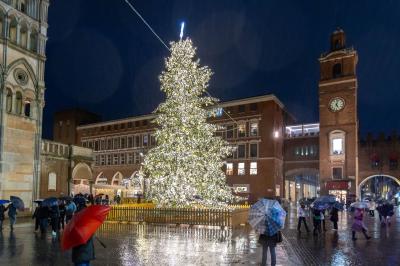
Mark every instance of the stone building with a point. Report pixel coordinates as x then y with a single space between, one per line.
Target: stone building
23 35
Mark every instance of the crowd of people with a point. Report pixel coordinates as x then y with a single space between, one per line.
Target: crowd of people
385 211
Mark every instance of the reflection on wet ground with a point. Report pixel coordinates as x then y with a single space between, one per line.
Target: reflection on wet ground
139 244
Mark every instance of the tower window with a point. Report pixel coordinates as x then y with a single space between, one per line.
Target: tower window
18 103
337 70
27 109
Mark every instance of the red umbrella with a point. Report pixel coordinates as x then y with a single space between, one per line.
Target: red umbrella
83 225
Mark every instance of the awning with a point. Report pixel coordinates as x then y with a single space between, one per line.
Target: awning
337 185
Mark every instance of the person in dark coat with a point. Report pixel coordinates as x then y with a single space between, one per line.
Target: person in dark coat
55 219
35 216
70 208
3 209
334 218
43 217
83 254
62 215
12 215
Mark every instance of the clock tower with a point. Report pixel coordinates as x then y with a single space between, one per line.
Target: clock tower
338 140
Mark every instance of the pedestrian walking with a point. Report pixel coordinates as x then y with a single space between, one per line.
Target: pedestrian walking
35 216
358 224
43 217
302 214
12 215
3 209
69 210
334 218
62 215
317 221
55 219
83 254
91 199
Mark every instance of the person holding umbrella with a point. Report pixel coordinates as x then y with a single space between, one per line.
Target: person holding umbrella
301 214
358 224
79 233
267 217
334 217
12 215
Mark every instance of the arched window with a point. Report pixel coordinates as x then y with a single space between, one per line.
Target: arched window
337 142
33 41
23 36
337 70
52 182
18 103
27 109
13 30
22 6
9 101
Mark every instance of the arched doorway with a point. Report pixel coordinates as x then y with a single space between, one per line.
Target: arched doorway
81 177
301 183
379 186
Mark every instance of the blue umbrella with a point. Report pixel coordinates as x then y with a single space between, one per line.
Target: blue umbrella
319 205
326 199
17 202
267 216
338 205
4 201
49 202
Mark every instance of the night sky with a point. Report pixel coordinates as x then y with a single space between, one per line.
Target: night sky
101 57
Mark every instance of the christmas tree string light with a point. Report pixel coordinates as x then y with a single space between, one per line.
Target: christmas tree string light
185 166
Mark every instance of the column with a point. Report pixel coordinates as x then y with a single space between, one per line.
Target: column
18 33
28 39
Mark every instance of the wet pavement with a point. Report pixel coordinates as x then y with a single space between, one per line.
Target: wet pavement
135 244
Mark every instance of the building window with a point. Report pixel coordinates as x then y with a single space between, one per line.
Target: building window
122 126
52 185
137 123
337 172
253 150
97 159
96 145
109 144
229 169
137 158
109 159
122 158
152 140
241 151
130 142
103 144
254 129
123 142
337 70
241 130
130 158
242 108
116 143
253 107
253 168
337 142
229 131
241 170
137 141
129 124
9 101
18 103
145 140
102 159
116 159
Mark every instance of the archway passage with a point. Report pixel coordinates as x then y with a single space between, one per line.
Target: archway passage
379 186
301 183
81 177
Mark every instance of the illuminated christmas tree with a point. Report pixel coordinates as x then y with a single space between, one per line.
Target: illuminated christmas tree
185 166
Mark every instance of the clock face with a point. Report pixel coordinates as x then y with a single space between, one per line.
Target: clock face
336 104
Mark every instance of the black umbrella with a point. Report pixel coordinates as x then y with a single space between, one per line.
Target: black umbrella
49 202
17 202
